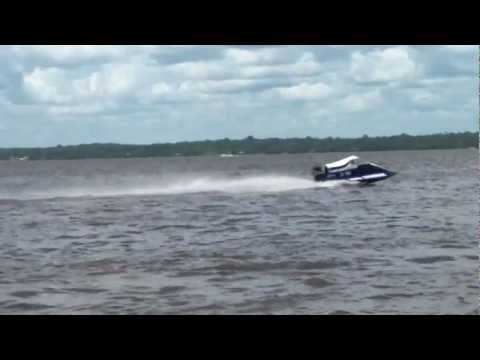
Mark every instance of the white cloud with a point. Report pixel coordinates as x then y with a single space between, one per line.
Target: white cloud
395 63
59 86
304 66
362 102
194 90
200 70
243 56
67 53
47 85
461 48
161 89
78 54
111 80
220 86
233 91
146 81
306 91
423 97
79 110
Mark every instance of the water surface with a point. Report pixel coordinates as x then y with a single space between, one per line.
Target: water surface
245 235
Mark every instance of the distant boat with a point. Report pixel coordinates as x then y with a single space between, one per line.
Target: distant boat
348 169
22 158
228 155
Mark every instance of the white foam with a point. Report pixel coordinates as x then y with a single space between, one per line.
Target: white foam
255 184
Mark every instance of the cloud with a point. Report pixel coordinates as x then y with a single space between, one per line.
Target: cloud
80 110
53 85
243 56
168 93
306 91
48 85
306 65
111 80
362 102
391 64
461 48
68 55
160 89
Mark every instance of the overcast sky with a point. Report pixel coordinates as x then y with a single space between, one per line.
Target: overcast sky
53 95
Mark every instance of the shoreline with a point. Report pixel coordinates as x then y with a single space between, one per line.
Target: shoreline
236 156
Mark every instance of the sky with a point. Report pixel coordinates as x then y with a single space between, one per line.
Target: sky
73 94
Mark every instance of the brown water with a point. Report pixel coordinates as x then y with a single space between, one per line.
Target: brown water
246 235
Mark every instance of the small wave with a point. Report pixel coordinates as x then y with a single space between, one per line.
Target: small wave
28 306
24 294
393 295
317 282
431 259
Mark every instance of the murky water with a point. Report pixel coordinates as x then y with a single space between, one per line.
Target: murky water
246 235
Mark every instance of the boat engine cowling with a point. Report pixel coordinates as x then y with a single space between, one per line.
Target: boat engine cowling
318 172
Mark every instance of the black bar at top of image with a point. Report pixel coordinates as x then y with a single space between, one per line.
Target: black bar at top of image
240 24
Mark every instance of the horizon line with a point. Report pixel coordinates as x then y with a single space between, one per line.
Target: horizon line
252 137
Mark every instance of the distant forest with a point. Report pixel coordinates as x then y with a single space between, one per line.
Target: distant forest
249 145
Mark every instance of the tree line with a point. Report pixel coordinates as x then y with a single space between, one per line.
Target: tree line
249 145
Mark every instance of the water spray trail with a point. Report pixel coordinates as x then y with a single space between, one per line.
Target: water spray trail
255 184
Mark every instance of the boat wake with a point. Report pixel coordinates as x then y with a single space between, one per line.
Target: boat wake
254 184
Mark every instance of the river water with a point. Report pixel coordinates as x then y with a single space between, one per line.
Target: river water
244 235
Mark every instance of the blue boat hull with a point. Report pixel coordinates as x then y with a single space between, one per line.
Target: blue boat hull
364 173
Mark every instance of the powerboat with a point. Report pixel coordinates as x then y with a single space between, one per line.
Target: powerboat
351 170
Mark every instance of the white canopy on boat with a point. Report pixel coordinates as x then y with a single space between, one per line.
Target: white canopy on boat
341 163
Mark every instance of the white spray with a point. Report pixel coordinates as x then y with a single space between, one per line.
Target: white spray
253 184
